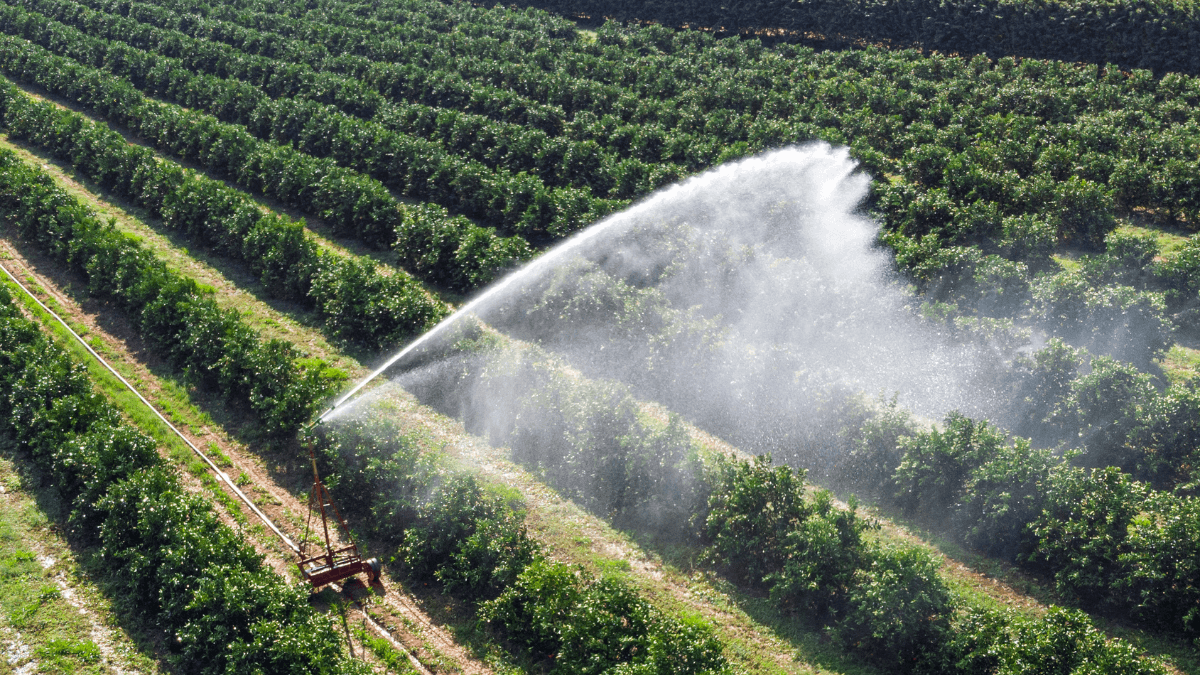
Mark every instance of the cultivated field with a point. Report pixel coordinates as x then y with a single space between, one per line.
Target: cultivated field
247 207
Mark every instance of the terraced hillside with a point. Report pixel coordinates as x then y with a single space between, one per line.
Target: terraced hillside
248 206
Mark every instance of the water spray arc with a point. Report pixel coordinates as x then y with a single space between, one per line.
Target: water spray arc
510 281
753 300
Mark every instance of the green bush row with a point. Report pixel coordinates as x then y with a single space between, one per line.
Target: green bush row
356 303
445 249
585 437
170 560
1007 157
753 522
1120 303
1110 543
1160 36
623 153
419 168
177 316
507 148
449 528
756 523
449 88
982 164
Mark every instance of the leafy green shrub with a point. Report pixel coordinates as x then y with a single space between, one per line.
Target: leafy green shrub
897 608
751 510
534 611
1083 528
1160 563
376 474
1062 642
1065 642
1002 497
586 625
1044 388
1180 273
585 438
468 539
936 465
609 625
822 555
1028 239
1133 252
873 439
1104 405
1166 434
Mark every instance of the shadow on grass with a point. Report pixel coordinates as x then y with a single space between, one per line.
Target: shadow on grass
150 642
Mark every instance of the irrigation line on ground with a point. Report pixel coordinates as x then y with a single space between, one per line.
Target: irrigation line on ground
220 474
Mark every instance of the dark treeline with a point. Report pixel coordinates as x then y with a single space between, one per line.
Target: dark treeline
1155 36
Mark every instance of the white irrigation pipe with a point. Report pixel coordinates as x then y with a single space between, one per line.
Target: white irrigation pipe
221 474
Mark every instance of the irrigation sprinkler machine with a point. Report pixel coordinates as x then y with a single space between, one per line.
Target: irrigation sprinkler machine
339 558
328 558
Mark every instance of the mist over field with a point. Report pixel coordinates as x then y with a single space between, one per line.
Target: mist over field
753 299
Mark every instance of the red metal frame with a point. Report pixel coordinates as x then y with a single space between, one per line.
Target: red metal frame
330 564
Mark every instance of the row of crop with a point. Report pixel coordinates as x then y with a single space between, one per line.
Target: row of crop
340 28
409 163
449 528
1092 387
465 537
440 88
638 55
507 147
754 522
647 50
1109 543
606 80
363 55
443 249
507 196
177 316
960 191
169 559
921 208
1125 302
1020 236
515 148
668 350
526 29
579 436
743 78
435 74
355 302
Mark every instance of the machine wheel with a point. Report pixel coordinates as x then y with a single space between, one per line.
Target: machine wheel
374 567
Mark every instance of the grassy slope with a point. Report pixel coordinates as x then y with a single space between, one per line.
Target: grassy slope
52 616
